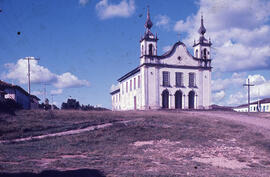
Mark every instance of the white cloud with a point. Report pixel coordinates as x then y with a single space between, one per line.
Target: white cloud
37 93
256 79
238 30
56 92
243 57
181 26
237 98
83 2
261 88
162 21
67 80
218 96
114 87
40 74
107 10
166 48
235 80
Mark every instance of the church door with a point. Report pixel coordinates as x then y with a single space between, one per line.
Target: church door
178 99
191 99
135 103
165 99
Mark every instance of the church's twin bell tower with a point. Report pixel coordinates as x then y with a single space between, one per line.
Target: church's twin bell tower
202 46
148 42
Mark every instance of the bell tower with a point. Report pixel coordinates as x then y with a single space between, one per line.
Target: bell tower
202 53
202 46
148 43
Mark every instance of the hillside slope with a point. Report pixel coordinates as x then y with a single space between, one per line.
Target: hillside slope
165 143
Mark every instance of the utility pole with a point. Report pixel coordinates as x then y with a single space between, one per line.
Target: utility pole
28 59
44 91
29 80
258 103
52 100
248 85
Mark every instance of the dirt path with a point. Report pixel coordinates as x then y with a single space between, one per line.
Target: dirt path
70 132
248 119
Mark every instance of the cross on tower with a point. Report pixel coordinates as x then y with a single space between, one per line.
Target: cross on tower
248 85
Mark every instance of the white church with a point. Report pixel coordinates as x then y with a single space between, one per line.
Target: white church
174 80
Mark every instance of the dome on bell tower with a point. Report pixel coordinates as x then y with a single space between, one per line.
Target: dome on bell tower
148 24
202 29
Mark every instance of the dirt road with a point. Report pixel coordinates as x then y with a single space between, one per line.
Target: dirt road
261 120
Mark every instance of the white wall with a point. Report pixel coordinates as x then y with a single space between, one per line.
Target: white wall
265 107
185 91
18 96
127 98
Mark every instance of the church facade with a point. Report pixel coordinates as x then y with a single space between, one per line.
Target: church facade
174 80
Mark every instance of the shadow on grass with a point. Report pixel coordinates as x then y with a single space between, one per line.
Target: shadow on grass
54 173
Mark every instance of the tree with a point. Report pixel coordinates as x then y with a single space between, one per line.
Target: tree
71 104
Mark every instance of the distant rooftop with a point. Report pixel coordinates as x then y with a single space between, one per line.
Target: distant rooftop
5 85
265 100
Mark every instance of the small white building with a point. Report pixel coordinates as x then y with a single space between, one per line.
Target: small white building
257 106
174 80
18 94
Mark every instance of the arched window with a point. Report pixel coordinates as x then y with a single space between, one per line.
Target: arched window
142 52
204 53
150 49
196 53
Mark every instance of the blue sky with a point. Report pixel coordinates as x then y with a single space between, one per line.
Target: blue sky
84 46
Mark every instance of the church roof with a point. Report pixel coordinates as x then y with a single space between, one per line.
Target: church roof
134 71
173 49
115 91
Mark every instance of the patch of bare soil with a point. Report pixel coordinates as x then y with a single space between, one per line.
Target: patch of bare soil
159 143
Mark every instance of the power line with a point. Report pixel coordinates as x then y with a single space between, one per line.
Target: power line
44 91
52 101
248 85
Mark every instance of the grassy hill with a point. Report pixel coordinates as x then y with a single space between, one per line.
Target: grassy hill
133 143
